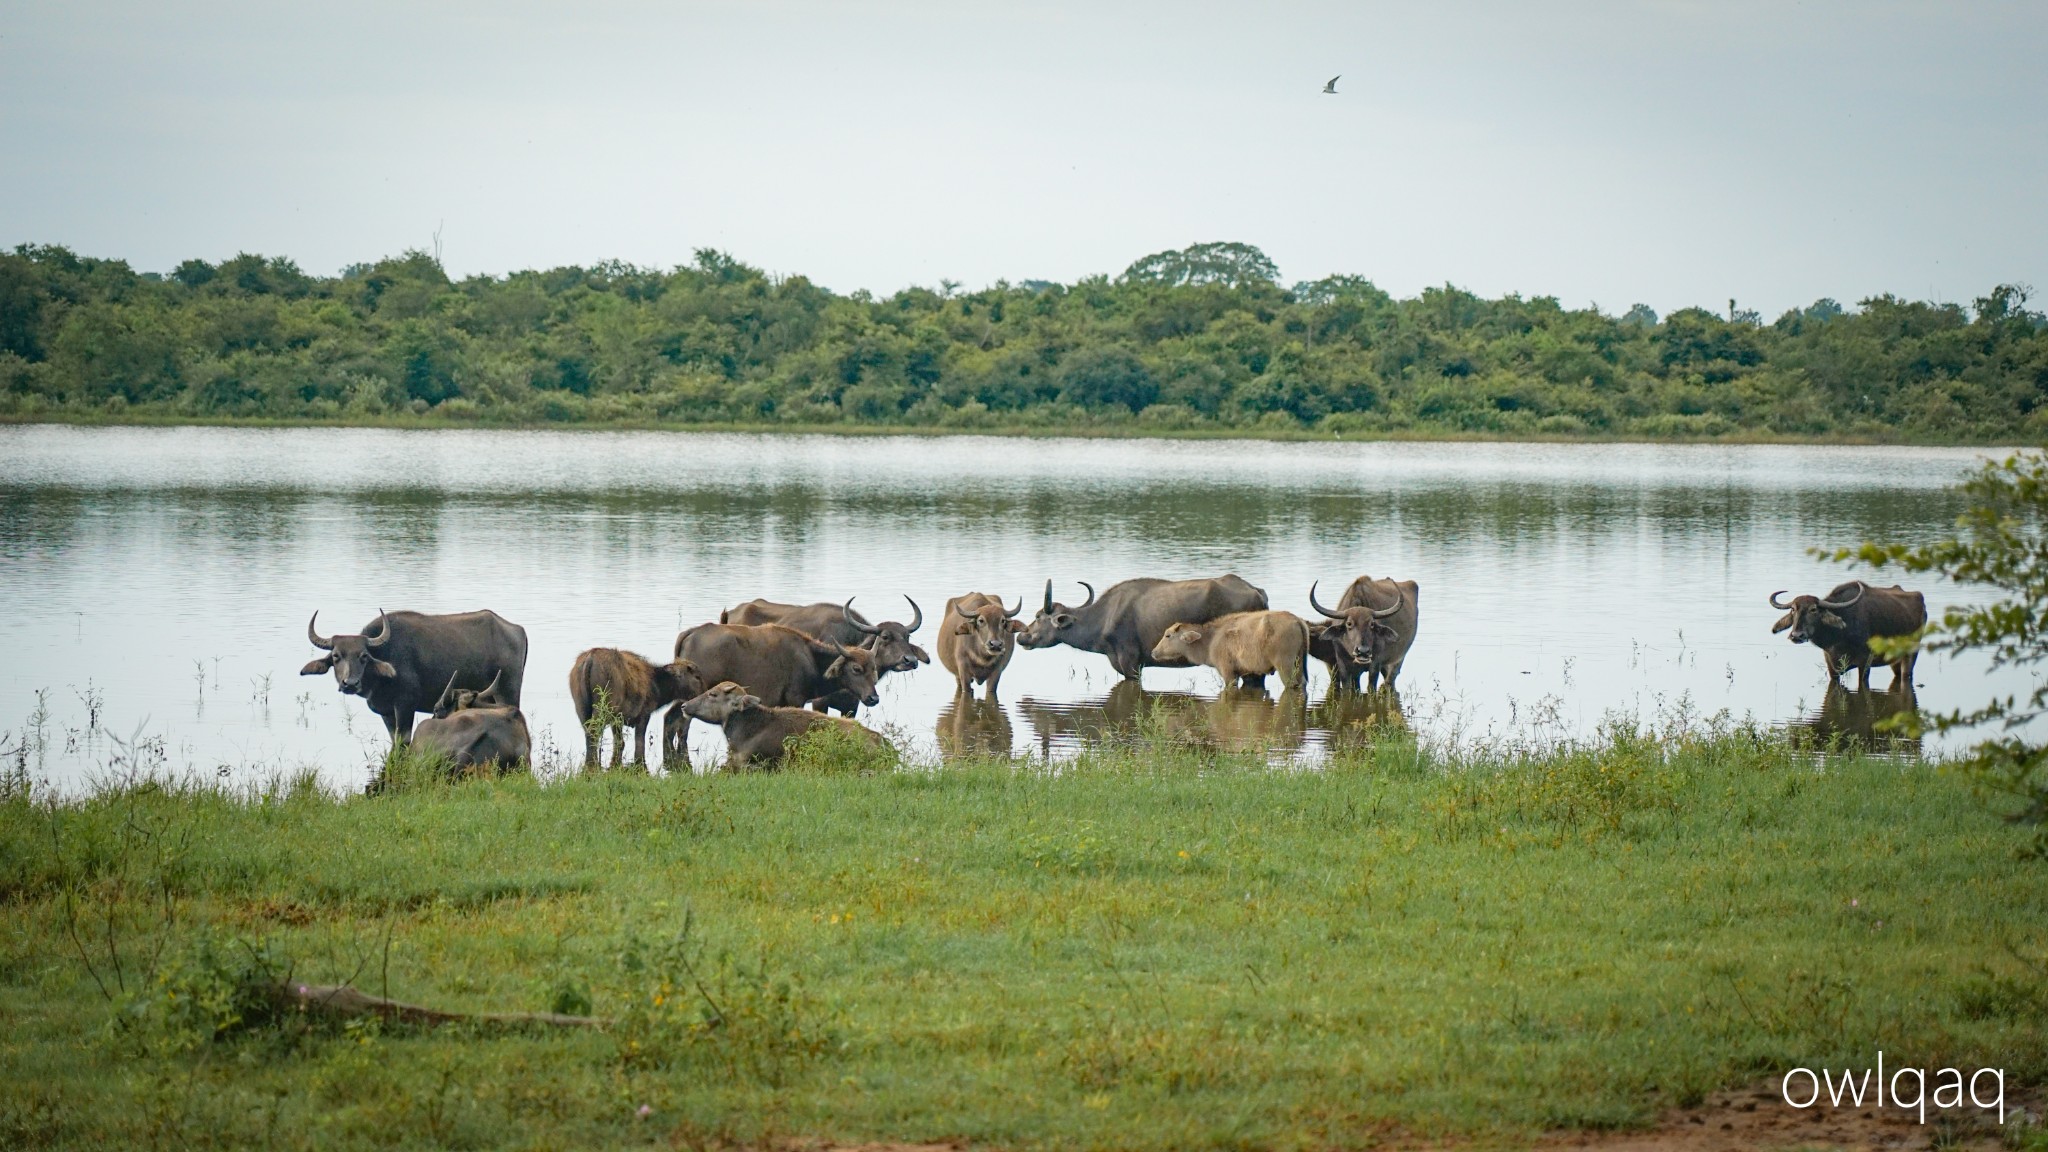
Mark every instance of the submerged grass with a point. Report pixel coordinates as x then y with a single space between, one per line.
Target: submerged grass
1147 947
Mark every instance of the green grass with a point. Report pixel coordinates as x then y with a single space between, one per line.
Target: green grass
1149 948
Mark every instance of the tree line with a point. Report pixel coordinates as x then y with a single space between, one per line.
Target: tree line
1206 337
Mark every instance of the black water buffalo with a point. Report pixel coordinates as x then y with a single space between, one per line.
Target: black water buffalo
635 688
1369 633
1127 620
757 733
977 641
1842 624
475 729
779 664
401 662
840 624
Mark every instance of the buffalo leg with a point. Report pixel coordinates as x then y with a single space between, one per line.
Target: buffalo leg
589 745
401 726
1128 665
675 739
1863 675
994 678
618 734
1827 660
640 744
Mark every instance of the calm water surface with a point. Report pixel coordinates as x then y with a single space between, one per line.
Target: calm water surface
160 579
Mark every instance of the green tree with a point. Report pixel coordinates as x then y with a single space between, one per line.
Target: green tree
2001 543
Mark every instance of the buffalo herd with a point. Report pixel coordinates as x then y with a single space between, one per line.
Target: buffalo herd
767 672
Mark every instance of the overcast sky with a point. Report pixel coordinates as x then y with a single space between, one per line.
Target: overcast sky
1672 153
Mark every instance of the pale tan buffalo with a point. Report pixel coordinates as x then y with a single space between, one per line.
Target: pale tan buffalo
1242 647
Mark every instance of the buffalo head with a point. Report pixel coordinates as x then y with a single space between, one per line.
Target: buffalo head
678 680
991 624
1807 616
890 641
1050 626
1182 641
353 658
455 699
853 669
718 704
1357 632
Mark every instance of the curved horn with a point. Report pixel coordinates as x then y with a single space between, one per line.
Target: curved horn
1048 595
447 693
865 629
1011 613
1318 605
1860 586
325 643
383 635
916 614
1383 613
491 689
1774 600
1091 594
965 612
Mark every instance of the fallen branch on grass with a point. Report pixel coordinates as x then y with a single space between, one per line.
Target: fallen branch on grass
341 1000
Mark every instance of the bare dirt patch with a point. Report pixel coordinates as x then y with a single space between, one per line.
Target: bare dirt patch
1759 1118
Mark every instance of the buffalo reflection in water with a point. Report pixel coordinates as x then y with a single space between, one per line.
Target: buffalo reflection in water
974 729
1848 720
1236 720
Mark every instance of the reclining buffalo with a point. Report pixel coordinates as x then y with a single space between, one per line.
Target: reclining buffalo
758 734
780 665
1369 633
840 624
1843 623
634 688
401 662
1126 621
472 729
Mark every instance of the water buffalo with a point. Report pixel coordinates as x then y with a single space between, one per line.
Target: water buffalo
1369 632
977 640
401 661
757 733
475 729
635 687
1842 625
779 664
1127 620
840 624
1242 647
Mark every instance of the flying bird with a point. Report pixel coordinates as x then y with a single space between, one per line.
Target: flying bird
1330 89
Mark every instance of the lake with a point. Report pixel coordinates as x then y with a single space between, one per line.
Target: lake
158 581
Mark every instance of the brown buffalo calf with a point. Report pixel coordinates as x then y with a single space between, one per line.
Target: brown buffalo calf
636 688
1243 647
758 734
977 640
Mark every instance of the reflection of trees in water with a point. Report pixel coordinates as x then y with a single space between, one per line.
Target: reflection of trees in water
1847 720
1236 720
974 728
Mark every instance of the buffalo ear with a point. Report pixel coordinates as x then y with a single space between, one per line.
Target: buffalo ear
1191 635
383 669
923 657
964 628
1832 620
316 667
1783 623
746 702
838 666
1018 625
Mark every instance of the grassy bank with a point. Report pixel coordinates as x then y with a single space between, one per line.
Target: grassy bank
1153 948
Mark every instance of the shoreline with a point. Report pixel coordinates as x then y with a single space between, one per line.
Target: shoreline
1005 431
